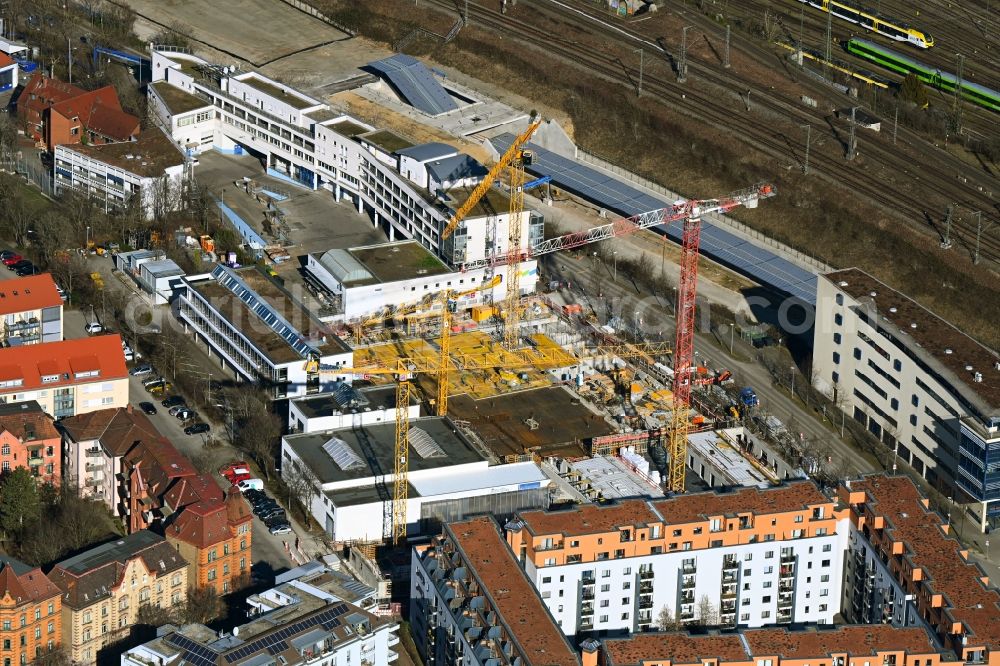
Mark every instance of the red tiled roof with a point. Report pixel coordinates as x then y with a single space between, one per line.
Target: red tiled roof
514 597
201 524
191 489
159 464
29 425
29 362
47 91
28 293
25 584
237 509
112 122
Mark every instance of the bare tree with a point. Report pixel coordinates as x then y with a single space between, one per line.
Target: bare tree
707 615
202 605
302 486
666 620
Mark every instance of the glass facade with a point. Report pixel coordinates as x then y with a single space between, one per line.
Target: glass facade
979 465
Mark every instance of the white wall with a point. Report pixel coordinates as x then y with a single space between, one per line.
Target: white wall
303 424
241 87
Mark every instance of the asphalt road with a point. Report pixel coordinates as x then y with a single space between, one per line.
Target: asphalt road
594 285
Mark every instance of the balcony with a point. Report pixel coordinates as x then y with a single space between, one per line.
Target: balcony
645 588
93 452
587 595
686 616
689 568
90 467
588 580
645 603
587 609
687 597
787 571
645 574
549 546
729 577
729 562
787 557
729 592
687 583
36 461
586 624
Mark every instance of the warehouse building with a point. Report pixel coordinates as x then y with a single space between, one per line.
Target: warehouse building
260 331
350 471
929 392
346 406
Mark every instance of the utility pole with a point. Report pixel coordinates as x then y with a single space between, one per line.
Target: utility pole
946 243
69 60
682 65
642 58
852 142
465 19
958 92
829 41
805 163
895 125
725 57
802 19
979 234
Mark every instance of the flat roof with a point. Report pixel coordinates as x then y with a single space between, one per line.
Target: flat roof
178 100
147 157
940 556
589 518
388 141
494 202
794 496
676 647
322 115
275 347
348 128
33 292
357 495
931 337
404 260
330 404
523 473
374 445
563 421
512 596
728 463
285 94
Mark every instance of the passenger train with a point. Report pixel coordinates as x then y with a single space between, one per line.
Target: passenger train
869 20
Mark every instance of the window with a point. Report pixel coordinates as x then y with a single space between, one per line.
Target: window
836 357
605 603
624 616
746 601
745 617
603 618
769 555
825 578
838 319
52 608
627 585
894 404
836 377
839 298
5 450
897 365
825 563
747 572
211 574
605 588
822 608
767 583
836 338
857 353
824 592
51 627
765 614
827 548
546 579
913 419
626 601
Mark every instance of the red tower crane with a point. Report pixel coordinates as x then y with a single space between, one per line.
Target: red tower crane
687 292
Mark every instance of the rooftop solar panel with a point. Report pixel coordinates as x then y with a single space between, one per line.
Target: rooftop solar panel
718 244
415 83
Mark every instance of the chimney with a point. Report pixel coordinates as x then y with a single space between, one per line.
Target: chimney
129 408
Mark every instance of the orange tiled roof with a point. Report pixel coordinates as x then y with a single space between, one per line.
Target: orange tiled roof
65 358
28 293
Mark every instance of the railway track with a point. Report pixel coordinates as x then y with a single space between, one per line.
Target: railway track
717 112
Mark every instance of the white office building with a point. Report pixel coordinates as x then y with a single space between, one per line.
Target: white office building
260 331
411 191
150 169
614 568
351 474
929 392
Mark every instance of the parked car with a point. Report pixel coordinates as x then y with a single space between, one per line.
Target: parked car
235 472
196 429
185 414
12 259
141 370
62 293
250 484
280 528
147 408
270 512
175 409
93 328
9 254
174 401
26 270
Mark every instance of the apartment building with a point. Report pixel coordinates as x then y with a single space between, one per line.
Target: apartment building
344 407
66 378
843 646
304 141
94 445
149 470
260 331
745 558
104 588
30 613
927 573
28 438
57 113
31 308
215 538
929 392
149 170
471 603
301 625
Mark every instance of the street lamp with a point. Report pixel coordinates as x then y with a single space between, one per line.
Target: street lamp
614 255
793 380
732 335
86 243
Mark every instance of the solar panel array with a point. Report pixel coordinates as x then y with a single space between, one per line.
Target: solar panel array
416 83
263 310
343 454
727 248
275 643
194 653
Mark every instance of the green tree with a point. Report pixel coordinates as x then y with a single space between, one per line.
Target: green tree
19 504
912 90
